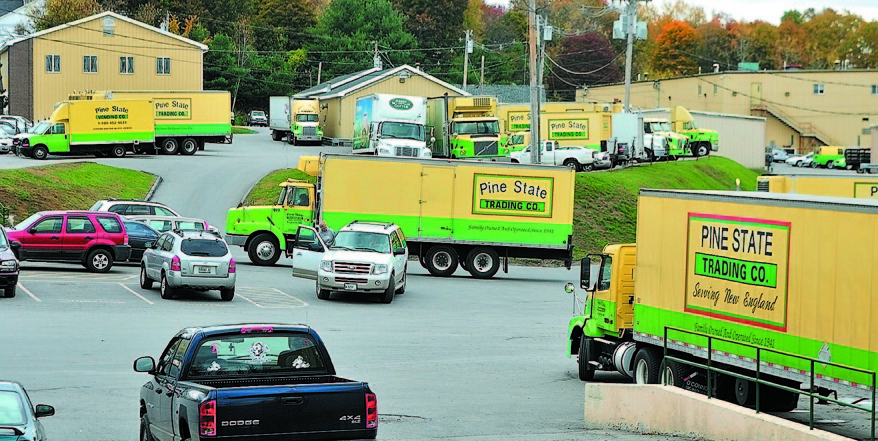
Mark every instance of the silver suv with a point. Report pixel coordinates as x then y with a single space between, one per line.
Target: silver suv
133 207
198 260
363 257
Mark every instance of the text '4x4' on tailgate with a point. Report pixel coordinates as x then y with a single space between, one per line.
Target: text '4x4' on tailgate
333 405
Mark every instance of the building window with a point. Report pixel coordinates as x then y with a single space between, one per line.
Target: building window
699 90
126 65
109 27
90 64
53 63
715 89
875 89
818 89
163 66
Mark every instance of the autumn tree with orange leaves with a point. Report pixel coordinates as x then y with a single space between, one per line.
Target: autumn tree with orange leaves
676 50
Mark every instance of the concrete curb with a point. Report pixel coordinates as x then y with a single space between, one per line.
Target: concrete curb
155 186
247 193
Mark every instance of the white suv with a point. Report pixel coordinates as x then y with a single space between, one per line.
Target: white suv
133 207
363 257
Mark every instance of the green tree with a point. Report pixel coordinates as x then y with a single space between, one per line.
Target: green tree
763 45
435 23
676 49
58 12
716 47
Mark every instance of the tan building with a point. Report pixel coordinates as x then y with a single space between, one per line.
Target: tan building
105 51
338 97
803 109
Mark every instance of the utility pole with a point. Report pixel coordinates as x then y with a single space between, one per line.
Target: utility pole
319 71
482 79
631 14
533 33
466 51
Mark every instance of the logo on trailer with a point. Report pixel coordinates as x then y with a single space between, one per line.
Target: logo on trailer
401 104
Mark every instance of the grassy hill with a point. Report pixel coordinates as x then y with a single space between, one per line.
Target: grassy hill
605 203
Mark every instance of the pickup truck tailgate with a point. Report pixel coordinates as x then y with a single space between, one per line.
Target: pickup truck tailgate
291 409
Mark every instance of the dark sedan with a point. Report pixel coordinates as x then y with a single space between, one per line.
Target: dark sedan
19 420
139 234
8 265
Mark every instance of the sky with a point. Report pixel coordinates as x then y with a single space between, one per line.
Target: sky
766 10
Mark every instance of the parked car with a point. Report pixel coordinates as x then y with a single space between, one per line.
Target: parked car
839 163
198 260
8 264
797 160
824 156
248 382
5 142
94 239
576 157
779 155
257 118
363 257
806 161
602 160
19 419
168 223
20 123
133 207
139 236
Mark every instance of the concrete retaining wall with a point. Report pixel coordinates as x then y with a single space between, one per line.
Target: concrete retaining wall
673 411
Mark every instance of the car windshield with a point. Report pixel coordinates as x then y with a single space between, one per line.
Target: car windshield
362 241
306 117
203 247
477 127
11 409
258 113
275 354
23 225
40 128
398 130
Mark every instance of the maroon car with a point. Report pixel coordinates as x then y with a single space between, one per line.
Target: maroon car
93 238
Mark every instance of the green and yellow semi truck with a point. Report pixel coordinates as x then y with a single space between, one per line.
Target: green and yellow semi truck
296 119
453 213
465 127
751 271
184 120
701 141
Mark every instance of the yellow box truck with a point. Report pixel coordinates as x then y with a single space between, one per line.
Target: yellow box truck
568 124
855 186
749 270
184 120
453 213
101 128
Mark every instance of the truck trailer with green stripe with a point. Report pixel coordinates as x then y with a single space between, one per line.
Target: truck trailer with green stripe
727 274
471 214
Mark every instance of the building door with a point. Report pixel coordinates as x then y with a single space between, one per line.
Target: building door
437 184
755 95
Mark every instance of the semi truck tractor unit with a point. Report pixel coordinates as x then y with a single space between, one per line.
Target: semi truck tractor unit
701 141
184 121
465 128
295 119
471 214
391 125
727 274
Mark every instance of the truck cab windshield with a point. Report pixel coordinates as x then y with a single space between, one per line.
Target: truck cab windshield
306 117
401 130
362 241
477 128
653 127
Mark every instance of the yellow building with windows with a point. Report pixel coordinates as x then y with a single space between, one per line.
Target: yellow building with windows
105 51
804 109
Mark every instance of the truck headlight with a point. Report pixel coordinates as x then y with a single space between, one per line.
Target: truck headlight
8 265
427 154
379 269
326 265
384 151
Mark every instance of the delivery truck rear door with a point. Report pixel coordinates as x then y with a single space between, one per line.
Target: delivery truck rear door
437 188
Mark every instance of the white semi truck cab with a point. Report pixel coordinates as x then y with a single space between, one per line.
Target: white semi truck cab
391 125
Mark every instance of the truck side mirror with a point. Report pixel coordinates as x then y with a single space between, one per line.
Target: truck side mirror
144 364
585 273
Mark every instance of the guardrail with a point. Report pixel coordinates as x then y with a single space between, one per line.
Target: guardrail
710 368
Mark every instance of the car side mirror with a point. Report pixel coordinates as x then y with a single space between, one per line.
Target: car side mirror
32 231
400 251
15 244
315 246
44 410
144 364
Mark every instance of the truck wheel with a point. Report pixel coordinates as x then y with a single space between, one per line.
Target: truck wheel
274 136
99 261
442 261
322 294
423 261
588 167
145 281
701 149
573 164
830 165
40 152
227 294
586 370
264 250
169 146
189 147
145 433
165 290
778 400
674 373
291 139
745 392
482 262
646 366
117 151
387 296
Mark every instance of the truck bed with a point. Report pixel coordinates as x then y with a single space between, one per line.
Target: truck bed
276 381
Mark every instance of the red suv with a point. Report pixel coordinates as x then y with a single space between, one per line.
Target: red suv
94 238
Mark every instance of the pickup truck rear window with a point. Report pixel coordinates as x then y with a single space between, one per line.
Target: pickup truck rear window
276 354
203 247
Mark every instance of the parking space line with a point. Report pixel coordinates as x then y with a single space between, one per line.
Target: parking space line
245 298
28 292
304 303
269 298
138 295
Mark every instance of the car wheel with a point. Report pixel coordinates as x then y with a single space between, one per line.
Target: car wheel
264 250
145 433
572 164
227 294
166 291
482 262
189 147
40 152
145 281
798 163
442 261
403 283
387 297
814 164
588 167
169 146
322 294
10 292
99 261
830 165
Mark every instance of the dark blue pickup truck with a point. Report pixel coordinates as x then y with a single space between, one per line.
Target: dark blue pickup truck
251 381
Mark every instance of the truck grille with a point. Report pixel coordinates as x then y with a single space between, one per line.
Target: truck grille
483 148
406 151
351 268
309 131
351 280
762 186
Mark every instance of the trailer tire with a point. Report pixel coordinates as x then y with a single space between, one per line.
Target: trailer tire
264 250
745 392
482 262
442 260
778 400
189 147
117 151
169 146
673 373
40 152
647 365
586 370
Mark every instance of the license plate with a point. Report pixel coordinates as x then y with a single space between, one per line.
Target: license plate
350 286
203 269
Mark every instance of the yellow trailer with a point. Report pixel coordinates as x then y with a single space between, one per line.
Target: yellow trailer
859 186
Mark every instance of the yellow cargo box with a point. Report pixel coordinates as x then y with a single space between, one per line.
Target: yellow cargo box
859 186
309 164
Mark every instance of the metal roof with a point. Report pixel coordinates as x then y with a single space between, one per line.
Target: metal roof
346 84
